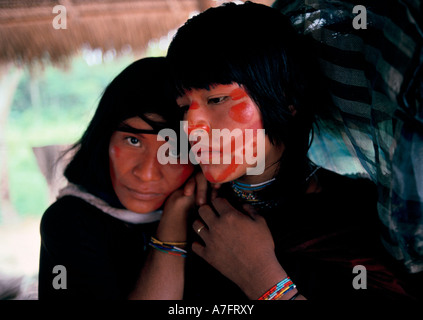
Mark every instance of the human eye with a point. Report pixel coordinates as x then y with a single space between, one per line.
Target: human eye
133 141
217 100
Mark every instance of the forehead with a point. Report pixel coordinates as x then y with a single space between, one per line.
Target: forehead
213 88
138 123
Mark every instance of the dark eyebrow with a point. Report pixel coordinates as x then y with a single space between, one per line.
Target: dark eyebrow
123 127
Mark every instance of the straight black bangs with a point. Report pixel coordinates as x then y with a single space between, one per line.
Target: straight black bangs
215 46
144 87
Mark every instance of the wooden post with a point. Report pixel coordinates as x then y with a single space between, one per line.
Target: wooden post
9 80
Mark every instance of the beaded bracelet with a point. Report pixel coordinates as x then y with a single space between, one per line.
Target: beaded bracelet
278 290
172 248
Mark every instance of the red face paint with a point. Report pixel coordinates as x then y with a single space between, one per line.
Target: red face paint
116 150
223 175
194 105
199 126
209 177
238 94
229 170
242 112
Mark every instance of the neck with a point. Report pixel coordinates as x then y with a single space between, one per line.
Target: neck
268 174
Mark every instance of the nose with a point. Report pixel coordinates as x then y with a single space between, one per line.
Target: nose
198 121
148 168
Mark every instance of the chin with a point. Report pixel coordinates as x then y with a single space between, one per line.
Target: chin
144 207
222 173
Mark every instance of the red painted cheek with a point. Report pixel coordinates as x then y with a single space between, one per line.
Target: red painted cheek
242 112
256 125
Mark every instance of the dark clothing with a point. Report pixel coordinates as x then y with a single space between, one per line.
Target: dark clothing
102 255
319 238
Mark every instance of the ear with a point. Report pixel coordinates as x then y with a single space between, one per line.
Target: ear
292 110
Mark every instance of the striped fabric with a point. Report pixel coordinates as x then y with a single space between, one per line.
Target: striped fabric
375 77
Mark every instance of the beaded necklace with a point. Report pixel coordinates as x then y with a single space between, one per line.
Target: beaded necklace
255 195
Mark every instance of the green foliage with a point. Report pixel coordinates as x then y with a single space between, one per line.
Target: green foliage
57 113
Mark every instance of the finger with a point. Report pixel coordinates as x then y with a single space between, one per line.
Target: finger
189 187
202 185
207 214
222 206
179 202
200 228
215 191
198 249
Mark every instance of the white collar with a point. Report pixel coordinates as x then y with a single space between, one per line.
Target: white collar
121 214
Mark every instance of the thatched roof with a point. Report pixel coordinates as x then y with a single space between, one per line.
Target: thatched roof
27 33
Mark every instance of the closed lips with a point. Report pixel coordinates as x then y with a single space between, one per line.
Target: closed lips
144 195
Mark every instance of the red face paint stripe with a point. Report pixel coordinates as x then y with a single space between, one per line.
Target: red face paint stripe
194 105
200 126
116 151
230 169
209 177
238 94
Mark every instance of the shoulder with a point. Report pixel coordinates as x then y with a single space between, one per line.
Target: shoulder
69 215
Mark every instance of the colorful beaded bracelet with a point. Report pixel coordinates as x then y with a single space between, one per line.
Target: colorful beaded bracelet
168 247
278 290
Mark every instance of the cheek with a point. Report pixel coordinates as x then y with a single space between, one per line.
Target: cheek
186 172
242 112
112 171
176 175
116 151
116 163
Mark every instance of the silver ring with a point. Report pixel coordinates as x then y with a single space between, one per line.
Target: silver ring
201 228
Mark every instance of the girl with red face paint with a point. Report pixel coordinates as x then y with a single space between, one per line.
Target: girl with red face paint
294 231
102 228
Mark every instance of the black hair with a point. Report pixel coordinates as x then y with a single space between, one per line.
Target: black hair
257 47
144 87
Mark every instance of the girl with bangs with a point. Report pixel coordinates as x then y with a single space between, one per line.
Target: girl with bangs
294 231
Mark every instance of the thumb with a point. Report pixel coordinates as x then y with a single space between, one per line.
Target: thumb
189 187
